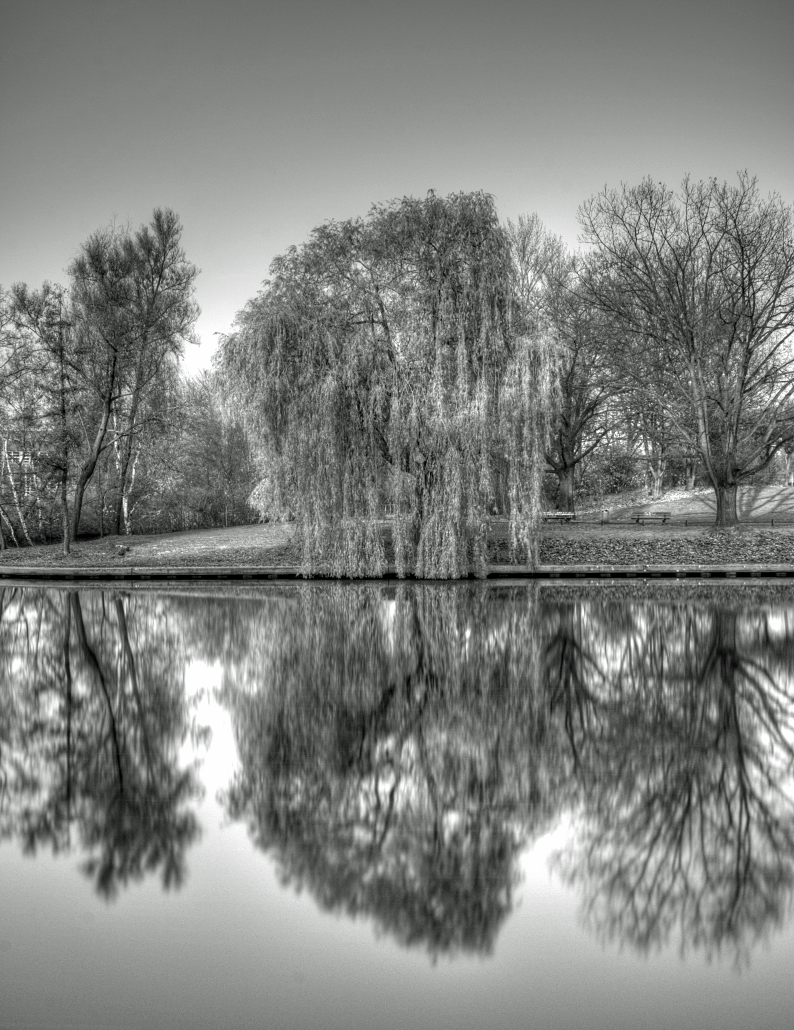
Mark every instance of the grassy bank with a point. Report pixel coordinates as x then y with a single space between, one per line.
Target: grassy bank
272 546
268 546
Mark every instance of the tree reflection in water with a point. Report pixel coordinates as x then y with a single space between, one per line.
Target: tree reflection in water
92 715
686 817
399 746
394 757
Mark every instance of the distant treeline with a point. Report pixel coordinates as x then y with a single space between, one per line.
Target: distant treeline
99 431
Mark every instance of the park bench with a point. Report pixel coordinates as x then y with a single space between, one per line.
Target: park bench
558 516
641 517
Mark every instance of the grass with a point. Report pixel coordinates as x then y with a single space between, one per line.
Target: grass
617 543
262 545
755 504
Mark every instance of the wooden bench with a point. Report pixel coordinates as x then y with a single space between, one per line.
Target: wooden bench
641 517
558 516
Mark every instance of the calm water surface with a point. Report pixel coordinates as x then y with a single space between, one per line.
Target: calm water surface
394 806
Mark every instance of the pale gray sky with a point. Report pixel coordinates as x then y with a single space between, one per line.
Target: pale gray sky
257 121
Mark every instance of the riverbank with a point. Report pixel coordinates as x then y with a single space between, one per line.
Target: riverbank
667 545
271 549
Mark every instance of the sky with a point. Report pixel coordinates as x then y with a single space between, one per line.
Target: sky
257 121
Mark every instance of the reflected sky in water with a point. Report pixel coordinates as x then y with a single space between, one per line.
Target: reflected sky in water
395 805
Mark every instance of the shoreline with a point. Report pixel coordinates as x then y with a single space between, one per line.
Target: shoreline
269 552
40 573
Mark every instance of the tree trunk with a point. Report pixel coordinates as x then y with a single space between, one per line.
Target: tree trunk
127 486
10 526
63 393
726 505
657 477
124 457
501 505
122 466
118 515
100 499
565 492
132 669
65 510
67 666
689 464
88 469
15 495
91 660
79 492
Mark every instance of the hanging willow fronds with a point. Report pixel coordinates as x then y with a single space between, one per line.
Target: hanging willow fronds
388 373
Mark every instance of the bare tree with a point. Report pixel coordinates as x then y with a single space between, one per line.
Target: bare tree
700 290
585 379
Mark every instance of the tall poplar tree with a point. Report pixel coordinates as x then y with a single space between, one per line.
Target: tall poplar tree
163 309
133 298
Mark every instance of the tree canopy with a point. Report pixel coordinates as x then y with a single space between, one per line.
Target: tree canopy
388 368
98 429
409 387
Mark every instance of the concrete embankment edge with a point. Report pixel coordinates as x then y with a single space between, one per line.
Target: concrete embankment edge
228 572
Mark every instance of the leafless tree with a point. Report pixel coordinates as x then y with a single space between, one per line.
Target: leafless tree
699 287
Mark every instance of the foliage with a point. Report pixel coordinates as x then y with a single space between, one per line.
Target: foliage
199 472
134 307
40 408
545 281
404 379
388 369
88 372
92 716
389 755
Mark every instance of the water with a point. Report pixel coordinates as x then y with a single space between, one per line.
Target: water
332 805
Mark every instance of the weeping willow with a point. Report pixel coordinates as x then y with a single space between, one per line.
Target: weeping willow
393 380
396 754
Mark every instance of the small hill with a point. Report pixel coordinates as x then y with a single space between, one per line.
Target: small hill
754 503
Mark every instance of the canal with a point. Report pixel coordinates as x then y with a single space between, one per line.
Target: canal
397 805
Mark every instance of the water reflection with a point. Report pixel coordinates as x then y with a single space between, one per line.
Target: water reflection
398 750
401 745
394 758
686 818
92 713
